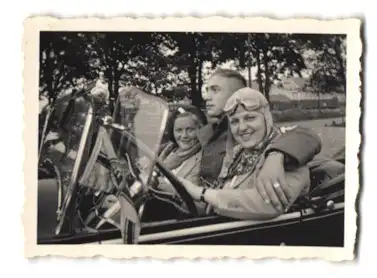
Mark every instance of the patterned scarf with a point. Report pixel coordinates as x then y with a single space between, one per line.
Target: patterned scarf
243 161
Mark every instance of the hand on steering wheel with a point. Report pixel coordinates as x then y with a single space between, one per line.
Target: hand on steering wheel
181 186
194 190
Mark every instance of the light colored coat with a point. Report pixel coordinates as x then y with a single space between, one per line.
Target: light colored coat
190 170
239 198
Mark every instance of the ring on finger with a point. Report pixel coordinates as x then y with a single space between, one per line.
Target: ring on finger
276 185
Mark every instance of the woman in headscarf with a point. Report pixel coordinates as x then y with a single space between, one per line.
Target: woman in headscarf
251 132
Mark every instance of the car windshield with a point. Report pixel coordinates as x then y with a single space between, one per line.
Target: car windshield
63 133
138 113
144 116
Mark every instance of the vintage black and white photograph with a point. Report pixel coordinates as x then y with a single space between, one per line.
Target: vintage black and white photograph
200 138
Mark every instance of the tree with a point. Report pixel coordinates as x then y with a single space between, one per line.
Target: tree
156 71
115 54
328 63
191 51
62 61
272 54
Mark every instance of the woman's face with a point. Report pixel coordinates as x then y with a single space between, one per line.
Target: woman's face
248 127
185 132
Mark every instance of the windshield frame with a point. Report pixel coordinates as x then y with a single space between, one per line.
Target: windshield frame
72 186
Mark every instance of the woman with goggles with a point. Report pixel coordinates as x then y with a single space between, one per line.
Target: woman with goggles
251 133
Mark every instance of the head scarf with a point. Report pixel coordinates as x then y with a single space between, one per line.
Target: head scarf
251 100
238 160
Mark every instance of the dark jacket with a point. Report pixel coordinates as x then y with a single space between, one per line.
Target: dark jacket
299 146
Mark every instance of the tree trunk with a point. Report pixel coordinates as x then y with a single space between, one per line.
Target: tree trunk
195 97
200 82
267 82
110 77
117 74
116 88
259 72
249 59
338 56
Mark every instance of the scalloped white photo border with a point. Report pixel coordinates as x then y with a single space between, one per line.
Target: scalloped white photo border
350 27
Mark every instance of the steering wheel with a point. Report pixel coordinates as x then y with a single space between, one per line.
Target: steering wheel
185 197
179 187
135 191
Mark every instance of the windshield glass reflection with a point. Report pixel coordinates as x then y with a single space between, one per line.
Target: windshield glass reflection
144 116
66 126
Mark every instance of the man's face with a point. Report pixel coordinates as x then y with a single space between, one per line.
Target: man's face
218 90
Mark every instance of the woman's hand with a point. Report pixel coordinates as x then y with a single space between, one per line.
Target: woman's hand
271 181
194 190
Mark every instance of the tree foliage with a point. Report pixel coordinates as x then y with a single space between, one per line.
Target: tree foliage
275 55
61 62
173 64
328 61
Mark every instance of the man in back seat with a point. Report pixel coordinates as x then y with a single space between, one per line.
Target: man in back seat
297 145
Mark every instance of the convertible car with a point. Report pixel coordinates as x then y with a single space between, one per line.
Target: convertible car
87 156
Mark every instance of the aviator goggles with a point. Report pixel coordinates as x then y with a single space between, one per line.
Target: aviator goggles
248 104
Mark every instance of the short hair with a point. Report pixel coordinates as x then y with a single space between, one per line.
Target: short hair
229 73
188 110
193 116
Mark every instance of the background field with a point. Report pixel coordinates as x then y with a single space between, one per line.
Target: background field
333 138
